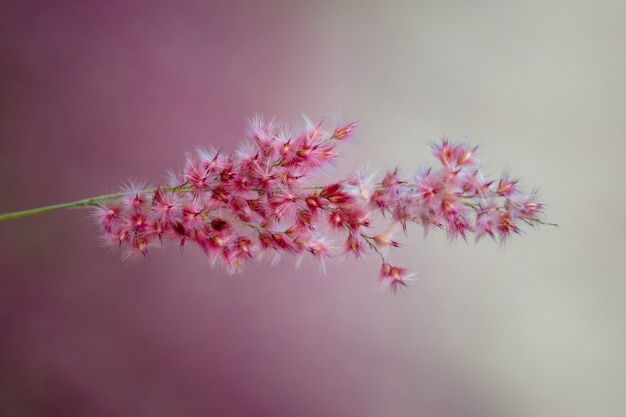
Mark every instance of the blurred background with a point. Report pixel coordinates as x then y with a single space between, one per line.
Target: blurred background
93 94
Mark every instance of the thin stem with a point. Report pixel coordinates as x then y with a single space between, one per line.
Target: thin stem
372 246
87 202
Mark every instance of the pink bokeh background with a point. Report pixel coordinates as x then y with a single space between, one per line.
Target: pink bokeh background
93 94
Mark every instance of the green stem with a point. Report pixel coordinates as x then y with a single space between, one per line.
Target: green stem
87 202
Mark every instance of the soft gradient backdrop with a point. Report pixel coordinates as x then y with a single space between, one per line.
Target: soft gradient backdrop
96 93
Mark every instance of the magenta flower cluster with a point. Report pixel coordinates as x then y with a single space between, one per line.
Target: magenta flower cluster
261 202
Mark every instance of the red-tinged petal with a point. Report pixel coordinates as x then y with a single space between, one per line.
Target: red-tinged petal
391 179
335 194
139 244
138 221
107 216
394 277
305 218
428 189
313 202
283 242
196 176
262 132
330 190
531 209
357 218
487 219
211 162
384 240
459 225
506 226
444 152
243 245
165 206
506 186
221 194
344 132
319 249
354 245
336 220
381 200
465 155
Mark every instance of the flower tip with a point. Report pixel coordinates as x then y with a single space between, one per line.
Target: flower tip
344 132
394 277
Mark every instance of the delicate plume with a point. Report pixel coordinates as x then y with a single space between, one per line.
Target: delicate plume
263 202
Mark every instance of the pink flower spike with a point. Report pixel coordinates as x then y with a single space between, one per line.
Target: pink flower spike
268 199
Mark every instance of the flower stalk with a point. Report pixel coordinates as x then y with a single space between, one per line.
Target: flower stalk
87 202
263 202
